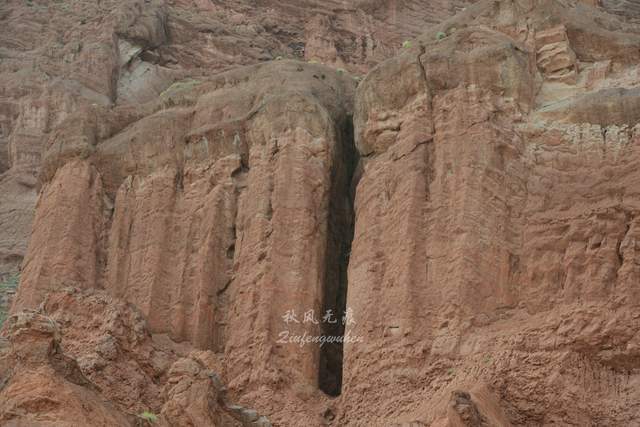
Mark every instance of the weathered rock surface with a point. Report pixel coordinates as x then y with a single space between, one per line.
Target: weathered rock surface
495 219
40 385
473 204
62 58
195 395
85 358
211 214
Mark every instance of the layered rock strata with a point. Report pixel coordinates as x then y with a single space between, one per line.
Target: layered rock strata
63 58
475 210
215 210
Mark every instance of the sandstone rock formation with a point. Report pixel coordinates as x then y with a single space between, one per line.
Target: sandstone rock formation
67 57
230 188
505 204
472 203
85 358
62 58
42 386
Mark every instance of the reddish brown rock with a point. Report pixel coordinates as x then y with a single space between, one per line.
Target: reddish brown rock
210 215
194 395
41 386
111 343
85 357
492 275
485 226
554 55
70 57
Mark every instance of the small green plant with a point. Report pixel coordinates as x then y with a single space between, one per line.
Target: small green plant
278 58
341 70
440 35
406 44
148 416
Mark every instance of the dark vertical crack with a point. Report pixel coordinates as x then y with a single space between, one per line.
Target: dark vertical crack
422 69
339 237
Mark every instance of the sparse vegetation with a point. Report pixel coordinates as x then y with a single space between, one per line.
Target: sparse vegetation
3 316
180 86
406 44
148 416
440 35
341 70
8 286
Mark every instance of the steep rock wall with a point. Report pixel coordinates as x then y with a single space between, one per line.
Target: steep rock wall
495 225
66 57
493 270
211 214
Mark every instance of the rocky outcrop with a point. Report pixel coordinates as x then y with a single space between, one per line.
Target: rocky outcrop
42 386
195 395
467 213
112 346
85 357
627 9
211 214
498 231
554 55
71 57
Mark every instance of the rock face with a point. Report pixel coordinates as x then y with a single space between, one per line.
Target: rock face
41 385
211 213
85 358
467 213
489 247
554 55
70 57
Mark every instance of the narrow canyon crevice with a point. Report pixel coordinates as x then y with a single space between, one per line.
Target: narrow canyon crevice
339 238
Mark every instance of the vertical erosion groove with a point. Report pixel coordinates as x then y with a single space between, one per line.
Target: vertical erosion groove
339 237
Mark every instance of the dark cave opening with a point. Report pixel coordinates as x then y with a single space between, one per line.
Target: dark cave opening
339 237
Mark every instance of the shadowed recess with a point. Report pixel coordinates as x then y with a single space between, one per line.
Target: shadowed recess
339 237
